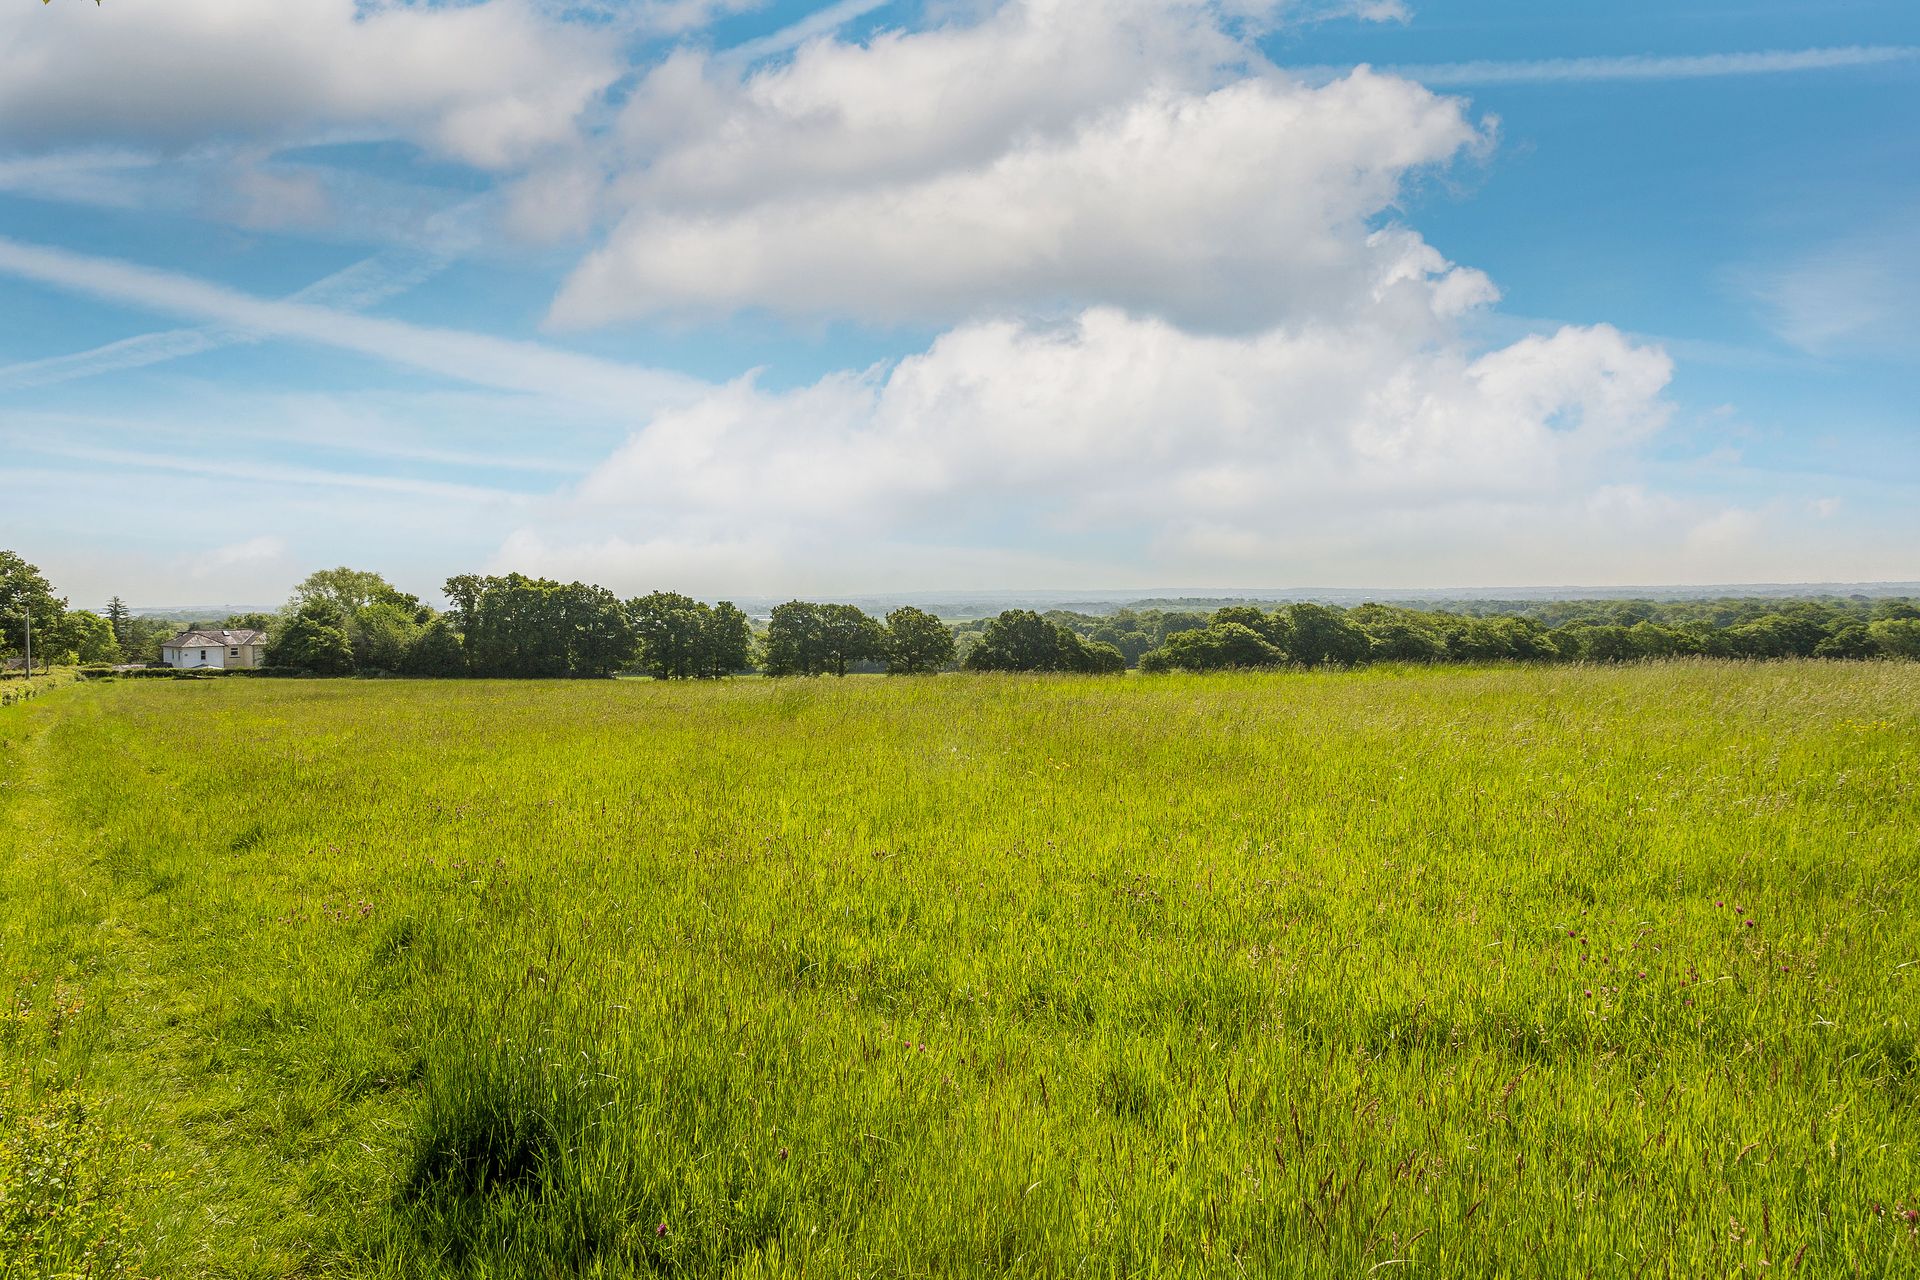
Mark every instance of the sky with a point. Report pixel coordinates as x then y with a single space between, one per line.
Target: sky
780 297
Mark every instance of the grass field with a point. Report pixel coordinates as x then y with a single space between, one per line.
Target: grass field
1445 973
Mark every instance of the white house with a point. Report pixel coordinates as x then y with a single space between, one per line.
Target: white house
227 650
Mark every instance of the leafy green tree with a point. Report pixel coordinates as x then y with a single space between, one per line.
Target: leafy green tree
1022 640
917 643
527 628
144 638
726 641
669 628
350 590
314 639
249 622
1223 646
25 595
848 635
381 634
1776 635
1093 658
1607 642
380 620
793 643
87 638
1896 637
1018 640
797 640
1847 642
436 652
599 634
510 625
1398 641
1319 636
1129 641
1270 627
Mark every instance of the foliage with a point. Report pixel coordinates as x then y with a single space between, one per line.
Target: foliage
382 634
1229 975
1223 646
24 595
1896 637
917 643
62 1175
347 591
1590 631
681 638
1021 640
515 626
15 689
118 616
314 639
821 639
436 652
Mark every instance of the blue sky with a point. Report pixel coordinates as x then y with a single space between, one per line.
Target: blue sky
752 298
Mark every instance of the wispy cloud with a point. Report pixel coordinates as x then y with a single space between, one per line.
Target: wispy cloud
814 25
358 428
470 357
363 285
1646 67
1855 296
252 551
270 474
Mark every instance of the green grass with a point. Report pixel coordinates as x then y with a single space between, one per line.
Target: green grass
1436 973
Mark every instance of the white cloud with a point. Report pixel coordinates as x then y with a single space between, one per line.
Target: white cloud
1050 155
816 24
1644 67
1857 295
1234 208
1173 453
491 83
470 357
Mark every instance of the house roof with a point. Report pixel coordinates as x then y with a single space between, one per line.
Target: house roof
214 639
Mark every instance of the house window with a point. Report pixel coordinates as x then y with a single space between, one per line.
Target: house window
233 653
203 655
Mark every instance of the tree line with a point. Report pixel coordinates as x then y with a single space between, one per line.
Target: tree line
346 621
342 621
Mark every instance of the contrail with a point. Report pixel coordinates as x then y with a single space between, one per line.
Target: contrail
827 20
363 285
480 359
1645 67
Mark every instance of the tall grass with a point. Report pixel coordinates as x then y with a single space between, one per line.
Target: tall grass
1525 972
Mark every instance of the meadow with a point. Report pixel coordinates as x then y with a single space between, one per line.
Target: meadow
1546 971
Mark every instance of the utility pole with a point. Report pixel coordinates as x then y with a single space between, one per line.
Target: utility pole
28 610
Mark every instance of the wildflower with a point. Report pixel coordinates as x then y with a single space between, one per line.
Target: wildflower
1718 903
660 1230
1749 924
783 1153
